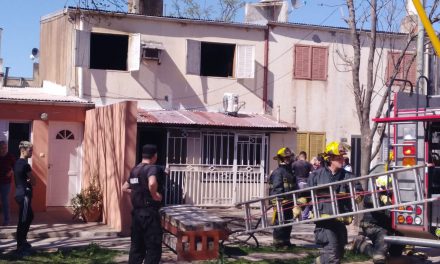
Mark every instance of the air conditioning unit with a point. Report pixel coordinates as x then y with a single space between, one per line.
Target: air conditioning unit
152 51
230 104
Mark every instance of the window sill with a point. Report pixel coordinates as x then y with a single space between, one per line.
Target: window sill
218 77
123 71
307 79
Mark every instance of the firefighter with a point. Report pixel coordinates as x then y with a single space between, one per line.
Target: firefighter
282 180
331 235
377 225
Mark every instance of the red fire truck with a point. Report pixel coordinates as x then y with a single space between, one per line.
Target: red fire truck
413 138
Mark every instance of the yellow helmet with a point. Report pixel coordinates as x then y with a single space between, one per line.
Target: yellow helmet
283 153
336 148
381 181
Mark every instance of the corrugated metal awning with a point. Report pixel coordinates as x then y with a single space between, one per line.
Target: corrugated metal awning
38 95
210 119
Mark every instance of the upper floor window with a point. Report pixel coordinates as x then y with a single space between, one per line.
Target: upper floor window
108 51
220 59
121 52
310 62
407 68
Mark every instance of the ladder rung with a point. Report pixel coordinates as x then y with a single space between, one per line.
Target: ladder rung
402 211
403 145
406 189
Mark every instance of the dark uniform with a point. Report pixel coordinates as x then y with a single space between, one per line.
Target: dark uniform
331 234
146 229
375 226
23 196
282 180
301 170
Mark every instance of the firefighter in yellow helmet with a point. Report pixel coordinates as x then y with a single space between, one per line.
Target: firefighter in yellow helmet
331 235
377 225
282 180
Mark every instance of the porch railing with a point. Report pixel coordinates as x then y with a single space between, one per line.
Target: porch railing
213 185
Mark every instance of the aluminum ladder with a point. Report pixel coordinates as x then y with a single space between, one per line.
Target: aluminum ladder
262 203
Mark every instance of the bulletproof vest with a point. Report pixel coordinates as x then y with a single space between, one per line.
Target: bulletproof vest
140 194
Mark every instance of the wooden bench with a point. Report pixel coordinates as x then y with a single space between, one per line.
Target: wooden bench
192 233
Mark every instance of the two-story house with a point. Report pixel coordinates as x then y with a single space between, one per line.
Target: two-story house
178 71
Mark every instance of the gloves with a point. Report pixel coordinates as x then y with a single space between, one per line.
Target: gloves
358 199
385 199
296 212
347 220
301 200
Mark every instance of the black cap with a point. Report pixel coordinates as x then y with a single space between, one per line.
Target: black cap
148 151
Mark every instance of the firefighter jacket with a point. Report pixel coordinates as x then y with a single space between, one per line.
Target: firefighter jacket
282 180
380 218
324 176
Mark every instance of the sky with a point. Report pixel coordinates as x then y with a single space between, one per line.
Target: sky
20 20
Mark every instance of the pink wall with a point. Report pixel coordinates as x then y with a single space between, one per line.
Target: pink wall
109 154
40 130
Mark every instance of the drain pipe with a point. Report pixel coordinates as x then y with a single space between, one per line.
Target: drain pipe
266 67
294 115
80 69
278 114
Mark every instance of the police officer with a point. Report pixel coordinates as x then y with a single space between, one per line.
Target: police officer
282 180
377 225
331 234
146 187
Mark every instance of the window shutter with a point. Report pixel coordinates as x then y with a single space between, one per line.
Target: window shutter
302 142
82 48
193 51
245 62
393 58
302 58
317 144
4 129
411 72
134 52
319 63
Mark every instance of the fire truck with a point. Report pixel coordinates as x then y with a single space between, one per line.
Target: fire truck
413 138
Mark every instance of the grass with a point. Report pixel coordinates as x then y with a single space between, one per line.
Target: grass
90 254
233 255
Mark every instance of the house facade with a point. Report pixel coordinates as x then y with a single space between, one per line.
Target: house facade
54 123
312 84
292 83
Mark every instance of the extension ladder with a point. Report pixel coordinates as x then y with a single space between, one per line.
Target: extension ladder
393 185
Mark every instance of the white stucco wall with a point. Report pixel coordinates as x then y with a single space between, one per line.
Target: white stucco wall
153 82
323 106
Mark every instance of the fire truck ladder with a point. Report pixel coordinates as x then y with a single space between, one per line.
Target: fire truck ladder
333 198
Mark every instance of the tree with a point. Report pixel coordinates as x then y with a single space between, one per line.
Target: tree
194 9
223 10
371 12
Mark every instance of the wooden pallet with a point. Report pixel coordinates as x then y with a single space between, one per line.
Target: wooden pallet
192 232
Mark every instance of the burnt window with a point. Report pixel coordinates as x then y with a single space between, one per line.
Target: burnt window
217 59
108 51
